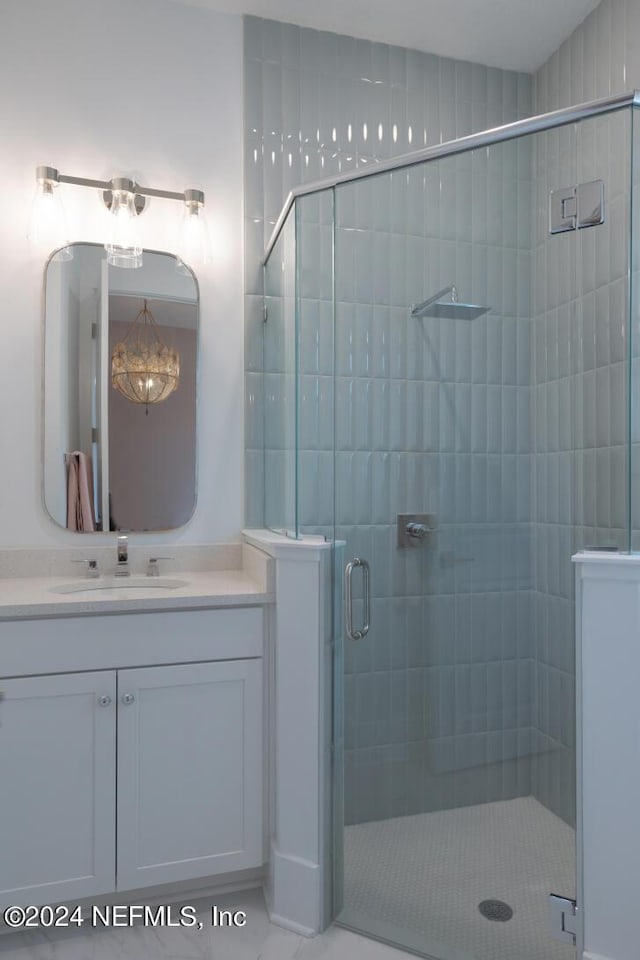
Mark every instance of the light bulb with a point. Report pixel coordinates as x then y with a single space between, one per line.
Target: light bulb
124 247
194 246
47 223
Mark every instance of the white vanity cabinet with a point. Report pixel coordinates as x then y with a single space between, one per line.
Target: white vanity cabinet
128 775
189 771
57 787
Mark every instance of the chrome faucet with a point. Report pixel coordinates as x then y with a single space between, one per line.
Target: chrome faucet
153 568
92 568
122 568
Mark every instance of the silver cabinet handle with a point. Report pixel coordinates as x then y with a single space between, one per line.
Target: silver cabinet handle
104 700
348 591
128 698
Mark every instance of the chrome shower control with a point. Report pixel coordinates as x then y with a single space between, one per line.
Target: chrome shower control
415 529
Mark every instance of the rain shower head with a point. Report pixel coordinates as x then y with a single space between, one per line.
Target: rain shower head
450 309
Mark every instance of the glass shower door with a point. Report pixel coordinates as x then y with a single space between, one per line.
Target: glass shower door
447 845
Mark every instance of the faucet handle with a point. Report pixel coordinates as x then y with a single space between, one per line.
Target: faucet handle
153 570
92 567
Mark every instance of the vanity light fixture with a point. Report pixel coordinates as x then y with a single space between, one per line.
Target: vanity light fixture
48 223
125 199
143 368
124 247
193 245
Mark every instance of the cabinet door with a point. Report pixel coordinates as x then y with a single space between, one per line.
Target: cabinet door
189 771
57 787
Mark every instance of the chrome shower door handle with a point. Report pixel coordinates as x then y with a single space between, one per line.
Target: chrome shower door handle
348 592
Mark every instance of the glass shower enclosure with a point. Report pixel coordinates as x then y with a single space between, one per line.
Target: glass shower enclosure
447 369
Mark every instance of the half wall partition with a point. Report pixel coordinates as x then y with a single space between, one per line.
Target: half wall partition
447 393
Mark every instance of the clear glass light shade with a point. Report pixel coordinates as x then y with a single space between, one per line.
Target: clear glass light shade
124 247
194 243
48 223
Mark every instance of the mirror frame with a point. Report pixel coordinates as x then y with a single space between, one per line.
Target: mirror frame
196 491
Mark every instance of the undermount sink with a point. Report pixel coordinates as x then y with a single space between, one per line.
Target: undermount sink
120 583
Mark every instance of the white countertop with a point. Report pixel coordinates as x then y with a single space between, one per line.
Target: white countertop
34 597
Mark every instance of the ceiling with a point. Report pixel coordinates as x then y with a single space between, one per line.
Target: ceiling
512 34
166 313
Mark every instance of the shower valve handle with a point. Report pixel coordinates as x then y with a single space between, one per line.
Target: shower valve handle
417 531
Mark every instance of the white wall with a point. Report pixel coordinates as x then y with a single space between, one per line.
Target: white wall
152 90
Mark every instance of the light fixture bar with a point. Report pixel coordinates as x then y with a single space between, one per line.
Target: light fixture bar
125 200
152 192
84 182
50 173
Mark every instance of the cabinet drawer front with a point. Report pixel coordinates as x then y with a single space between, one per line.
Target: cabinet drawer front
57 799
123 640
189 771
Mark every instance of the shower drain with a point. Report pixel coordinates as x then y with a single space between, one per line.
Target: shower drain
495 910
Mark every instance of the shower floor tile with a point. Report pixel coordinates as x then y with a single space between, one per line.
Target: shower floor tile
418 880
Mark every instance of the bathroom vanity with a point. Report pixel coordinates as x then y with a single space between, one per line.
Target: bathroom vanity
168 737
131 733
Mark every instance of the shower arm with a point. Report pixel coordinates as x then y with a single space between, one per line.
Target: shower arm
419 307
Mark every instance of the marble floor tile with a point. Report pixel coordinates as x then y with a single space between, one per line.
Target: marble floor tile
257 940
338 944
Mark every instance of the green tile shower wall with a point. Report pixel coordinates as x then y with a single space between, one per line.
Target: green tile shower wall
309 96
447 408
580 352
464 691
422 718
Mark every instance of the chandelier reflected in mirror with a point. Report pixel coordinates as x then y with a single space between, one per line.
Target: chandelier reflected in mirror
143 368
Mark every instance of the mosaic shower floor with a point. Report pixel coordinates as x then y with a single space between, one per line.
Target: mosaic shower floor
418 880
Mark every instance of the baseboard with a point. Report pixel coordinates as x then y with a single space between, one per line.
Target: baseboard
294 895
187 890
291 925
184 891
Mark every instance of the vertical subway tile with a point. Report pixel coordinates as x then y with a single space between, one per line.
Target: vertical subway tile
410 428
